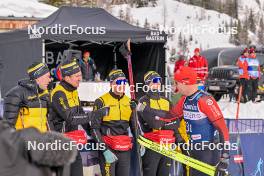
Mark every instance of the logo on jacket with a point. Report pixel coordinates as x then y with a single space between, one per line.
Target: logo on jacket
209 102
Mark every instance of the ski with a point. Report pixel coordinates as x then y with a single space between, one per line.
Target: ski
189 161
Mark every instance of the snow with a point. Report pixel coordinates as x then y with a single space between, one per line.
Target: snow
247 110
186 19
25 8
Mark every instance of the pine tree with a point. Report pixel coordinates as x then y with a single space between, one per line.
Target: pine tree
243 37
185 45
190 38
128 15
251 20
180 42
140 3
236 36
137 23
261 32
121 14
146 24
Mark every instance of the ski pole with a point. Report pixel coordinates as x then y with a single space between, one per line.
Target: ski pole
126 52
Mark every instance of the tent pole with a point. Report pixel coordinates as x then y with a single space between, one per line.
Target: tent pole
166 73
115 59
43 50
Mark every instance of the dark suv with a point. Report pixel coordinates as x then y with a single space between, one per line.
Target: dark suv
223 79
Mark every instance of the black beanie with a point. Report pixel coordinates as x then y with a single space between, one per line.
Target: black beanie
36 70
69 67
116 73
148 77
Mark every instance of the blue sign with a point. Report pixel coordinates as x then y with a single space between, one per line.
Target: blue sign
253 153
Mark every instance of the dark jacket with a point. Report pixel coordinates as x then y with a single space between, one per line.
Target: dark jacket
157 105
26 94
18 159
88 69
66 111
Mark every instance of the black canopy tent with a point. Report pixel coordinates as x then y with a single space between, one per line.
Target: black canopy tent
20 48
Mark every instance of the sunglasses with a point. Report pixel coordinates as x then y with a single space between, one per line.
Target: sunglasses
121 81
156 80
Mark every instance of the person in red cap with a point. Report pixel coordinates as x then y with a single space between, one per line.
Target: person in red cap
203 118
179 63
254 73
243 74
200 65
88 67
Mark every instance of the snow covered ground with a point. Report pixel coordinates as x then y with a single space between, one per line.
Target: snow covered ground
248 110
25 8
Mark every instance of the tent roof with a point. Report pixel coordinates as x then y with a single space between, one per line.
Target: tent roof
92 19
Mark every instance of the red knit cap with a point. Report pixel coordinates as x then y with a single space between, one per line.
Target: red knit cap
197 50
252 50
186 75
245 50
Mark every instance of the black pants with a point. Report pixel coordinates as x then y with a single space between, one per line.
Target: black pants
208 156
77 167
119 168
245 91
155 164
253 83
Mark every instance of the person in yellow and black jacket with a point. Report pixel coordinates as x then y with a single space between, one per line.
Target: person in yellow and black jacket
156 107
26 104
114 129
66 113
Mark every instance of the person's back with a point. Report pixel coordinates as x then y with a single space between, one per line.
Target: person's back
18 157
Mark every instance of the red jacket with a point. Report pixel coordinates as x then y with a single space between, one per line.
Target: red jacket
180 63
200 65
243 67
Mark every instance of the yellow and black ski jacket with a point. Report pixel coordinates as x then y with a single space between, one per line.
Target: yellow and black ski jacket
119 119
66 112
26 106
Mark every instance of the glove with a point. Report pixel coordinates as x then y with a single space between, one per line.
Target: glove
97 117
100 113
133 104
109 156
142 150
223 163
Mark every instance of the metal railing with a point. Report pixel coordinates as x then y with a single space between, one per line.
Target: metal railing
245 125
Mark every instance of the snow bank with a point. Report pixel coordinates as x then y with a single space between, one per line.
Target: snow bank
25 8
248 110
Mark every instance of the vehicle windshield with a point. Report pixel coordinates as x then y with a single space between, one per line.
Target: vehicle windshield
229 57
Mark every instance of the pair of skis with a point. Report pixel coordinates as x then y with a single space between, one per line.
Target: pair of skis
177 156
